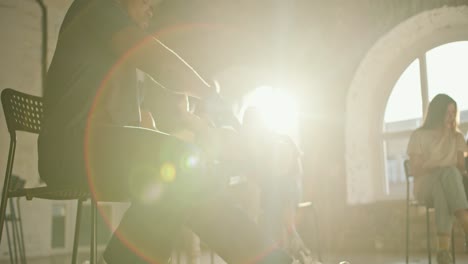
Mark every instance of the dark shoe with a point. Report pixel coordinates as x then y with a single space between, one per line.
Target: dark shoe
444 257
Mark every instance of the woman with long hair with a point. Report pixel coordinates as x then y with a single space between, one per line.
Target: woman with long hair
436 152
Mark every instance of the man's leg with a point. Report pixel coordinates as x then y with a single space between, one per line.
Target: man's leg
188 194
153 170
145 235
232 235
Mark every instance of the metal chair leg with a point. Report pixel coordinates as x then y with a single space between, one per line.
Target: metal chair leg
93 253
14 228
407 231
6 183
21 234
453 246
428 233
76 238
312 208
10 250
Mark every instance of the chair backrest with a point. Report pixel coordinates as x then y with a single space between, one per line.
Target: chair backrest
23 112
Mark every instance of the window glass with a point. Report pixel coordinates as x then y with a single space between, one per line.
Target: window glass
395 155
58 226
103 231
404 107
447 73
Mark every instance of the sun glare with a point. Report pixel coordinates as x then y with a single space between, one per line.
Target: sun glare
278 108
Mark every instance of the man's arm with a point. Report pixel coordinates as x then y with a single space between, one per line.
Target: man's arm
148 54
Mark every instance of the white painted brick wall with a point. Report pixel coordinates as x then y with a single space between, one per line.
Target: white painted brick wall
20 69
20 56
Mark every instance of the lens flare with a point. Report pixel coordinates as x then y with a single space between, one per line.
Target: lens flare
152 192
278 109
168 172
192 161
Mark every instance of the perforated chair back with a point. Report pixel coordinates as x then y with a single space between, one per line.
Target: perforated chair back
23 112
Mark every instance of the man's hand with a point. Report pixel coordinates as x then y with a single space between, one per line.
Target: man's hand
147 120
216 109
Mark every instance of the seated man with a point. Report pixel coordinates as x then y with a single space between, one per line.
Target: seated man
91 138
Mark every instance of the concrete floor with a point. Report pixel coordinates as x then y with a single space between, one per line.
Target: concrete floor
371 258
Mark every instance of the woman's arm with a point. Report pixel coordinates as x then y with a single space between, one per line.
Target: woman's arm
417 167
461 163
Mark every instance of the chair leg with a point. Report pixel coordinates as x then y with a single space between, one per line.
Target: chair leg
21 233
15 230
76 238
428 231
317 231
407 231
93 253
453 246
6 184
10 250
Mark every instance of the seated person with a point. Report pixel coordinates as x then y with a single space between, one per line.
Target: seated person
436 152
275 168
92 138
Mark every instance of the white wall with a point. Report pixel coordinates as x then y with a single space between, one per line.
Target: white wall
20 53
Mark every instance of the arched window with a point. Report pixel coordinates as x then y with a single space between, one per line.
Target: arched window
439 70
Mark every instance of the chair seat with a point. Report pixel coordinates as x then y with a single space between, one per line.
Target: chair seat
50 193
415 203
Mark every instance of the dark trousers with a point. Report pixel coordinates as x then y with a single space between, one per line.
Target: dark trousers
169 184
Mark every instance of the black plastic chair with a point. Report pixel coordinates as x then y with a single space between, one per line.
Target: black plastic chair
411 202
24 112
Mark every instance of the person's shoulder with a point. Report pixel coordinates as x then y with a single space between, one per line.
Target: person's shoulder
91 12
288 142
459 134
81 8
421 134
282 138
419 131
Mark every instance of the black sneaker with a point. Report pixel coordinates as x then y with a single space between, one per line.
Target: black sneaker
444 257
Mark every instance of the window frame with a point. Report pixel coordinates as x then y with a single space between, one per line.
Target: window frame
424 89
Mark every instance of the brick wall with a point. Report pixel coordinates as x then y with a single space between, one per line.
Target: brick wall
20 66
